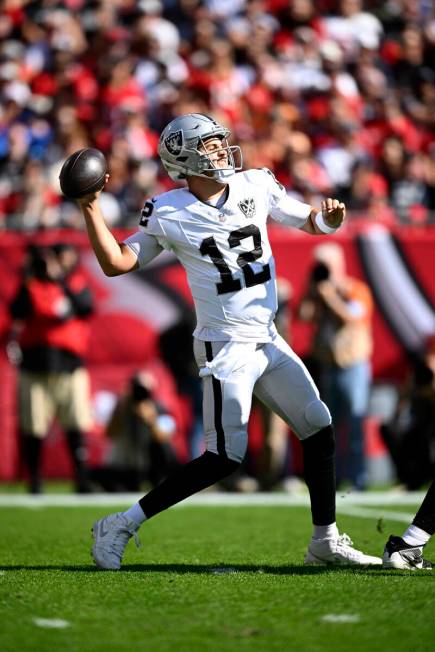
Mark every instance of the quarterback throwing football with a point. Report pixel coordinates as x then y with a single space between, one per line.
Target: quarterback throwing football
216 226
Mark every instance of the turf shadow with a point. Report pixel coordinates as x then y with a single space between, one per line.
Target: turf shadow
201 569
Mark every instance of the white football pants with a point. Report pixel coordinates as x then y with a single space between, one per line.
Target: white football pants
233 371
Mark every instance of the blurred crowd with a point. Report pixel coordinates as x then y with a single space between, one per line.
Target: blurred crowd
337 97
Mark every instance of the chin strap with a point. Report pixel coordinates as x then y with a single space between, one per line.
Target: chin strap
221 176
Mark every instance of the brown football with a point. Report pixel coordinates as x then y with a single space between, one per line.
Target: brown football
83 173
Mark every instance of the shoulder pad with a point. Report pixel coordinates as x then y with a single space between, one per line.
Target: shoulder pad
273 177
170 201
255 177
164 204
254 174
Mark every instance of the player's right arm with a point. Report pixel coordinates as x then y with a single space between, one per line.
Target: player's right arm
114 257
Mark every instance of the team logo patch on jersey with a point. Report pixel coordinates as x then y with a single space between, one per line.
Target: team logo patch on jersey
247 206
174 143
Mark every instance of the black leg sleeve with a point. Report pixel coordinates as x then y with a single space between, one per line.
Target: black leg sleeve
319 472
198 474
425 517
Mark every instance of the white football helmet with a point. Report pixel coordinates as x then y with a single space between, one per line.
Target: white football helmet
179 148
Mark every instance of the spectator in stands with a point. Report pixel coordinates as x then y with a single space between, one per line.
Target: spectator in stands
351 25
73 74
140 431
50 312
410 194
340 308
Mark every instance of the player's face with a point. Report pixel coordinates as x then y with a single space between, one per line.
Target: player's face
217 154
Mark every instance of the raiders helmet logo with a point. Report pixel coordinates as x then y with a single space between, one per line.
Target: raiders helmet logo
247 206
174 143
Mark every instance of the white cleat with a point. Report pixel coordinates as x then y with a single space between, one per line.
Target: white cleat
338 552
111 535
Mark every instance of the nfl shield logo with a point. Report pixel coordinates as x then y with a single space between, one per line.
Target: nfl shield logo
247 206
174 143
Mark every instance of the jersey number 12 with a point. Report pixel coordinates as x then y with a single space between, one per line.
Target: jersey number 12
228 283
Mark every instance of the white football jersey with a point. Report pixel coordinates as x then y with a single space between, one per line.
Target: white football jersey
225 252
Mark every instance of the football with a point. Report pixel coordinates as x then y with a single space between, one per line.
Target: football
83 173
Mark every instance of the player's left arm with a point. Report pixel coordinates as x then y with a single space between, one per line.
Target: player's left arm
292 212
326 220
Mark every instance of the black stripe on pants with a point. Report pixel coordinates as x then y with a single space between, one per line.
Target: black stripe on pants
217 396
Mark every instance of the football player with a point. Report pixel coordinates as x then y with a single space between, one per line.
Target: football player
216 226
407 551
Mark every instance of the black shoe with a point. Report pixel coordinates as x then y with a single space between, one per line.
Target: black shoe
399 554
35 486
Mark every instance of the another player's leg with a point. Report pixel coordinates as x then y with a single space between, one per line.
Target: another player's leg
226 413
32 448
77 450
71 392
406 552
288 389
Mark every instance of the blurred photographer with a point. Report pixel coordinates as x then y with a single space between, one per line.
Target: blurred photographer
340 308
49 340
141 431
410 435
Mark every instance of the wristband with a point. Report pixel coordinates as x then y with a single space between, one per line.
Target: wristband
320 222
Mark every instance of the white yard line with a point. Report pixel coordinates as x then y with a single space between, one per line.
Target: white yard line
340 618
413 498
51 623
402 517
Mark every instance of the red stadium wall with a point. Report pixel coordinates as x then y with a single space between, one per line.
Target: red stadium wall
132 310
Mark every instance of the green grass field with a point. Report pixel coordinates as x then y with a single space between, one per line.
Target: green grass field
205 579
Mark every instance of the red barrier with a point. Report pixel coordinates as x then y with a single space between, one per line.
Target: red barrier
132 310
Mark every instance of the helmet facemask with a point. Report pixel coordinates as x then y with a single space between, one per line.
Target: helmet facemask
208 161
